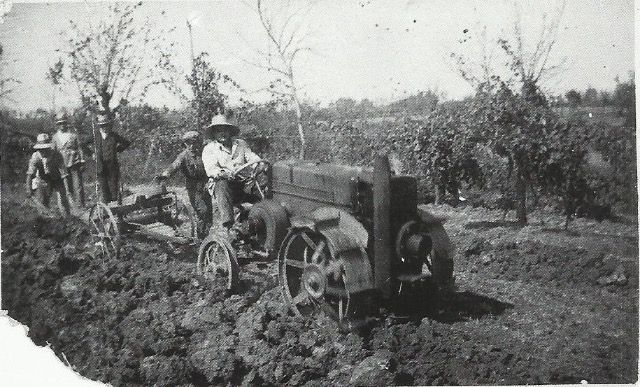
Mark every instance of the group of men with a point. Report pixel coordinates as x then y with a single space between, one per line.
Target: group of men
57 164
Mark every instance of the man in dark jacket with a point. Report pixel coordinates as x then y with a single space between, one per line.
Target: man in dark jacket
189 161
108 145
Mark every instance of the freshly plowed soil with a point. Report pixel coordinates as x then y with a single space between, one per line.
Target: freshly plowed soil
533 306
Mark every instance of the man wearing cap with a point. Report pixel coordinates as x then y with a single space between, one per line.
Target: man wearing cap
108 145
46 174
67 143
220 157
189 161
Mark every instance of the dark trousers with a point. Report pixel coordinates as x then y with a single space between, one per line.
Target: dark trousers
76 185
200 200
109 183
56 188
226 193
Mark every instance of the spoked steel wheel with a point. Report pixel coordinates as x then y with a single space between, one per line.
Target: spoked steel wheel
310 277
217 262
105 232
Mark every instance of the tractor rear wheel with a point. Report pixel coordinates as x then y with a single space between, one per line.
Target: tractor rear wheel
313 279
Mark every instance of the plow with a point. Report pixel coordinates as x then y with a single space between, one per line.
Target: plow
155 212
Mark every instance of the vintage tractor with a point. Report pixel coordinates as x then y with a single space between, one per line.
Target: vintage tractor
343 236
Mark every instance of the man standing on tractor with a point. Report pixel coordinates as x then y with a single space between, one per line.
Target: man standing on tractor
221 157
46 174
108 145
67 143
189 161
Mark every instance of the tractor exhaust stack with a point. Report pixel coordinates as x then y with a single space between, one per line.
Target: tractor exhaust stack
382 225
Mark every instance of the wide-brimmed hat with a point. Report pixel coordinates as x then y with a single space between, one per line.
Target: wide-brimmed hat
103 120
191 135
220 121
62 118
42 141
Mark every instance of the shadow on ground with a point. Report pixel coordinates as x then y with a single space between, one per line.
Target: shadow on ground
486 224
447 308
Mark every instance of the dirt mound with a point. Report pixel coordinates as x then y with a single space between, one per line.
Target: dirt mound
146 319
540 262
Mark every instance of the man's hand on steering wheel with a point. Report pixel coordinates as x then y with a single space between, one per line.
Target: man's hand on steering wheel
227 175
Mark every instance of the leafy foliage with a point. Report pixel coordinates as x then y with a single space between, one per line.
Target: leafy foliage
625 99
205 85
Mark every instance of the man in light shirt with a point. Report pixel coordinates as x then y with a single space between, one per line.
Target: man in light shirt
47 168
221 157
67 143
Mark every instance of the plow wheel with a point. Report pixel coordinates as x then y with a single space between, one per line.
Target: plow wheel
105 232
311 278
217 262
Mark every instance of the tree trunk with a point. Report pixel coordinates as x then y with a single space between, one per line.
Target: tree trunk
296 102
454 189
440 193
521 195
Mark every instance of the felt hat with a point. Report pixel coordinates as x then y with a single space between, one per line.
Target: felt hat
191 135
42 141
220 121
103 120
62 118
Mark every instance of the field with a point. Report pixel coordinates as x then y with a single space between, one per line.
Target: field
533 305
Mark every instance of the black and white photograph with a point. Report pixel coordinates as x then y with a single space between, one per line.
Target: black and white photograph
318 193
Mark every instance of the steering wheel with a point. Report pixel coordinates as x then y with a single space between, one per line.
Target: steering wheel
253 175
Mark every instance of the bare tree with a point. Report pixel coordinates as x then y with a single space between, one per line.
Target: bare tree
54 75
285 28
120 56
7 83
528 63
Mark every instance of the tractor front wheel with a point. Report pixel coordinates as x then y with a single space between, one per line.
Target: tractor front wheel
217 262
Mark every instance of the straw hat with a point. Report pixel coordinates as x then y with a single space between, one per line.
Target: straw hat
221 121
42 141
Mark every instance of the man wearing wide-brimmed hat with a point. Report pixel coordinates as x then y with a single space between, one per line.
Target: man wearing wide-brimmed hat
108 145
46 174
67 143
220 157
189 161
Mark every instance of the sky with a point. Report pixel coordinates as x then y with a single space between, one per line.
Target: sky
382 50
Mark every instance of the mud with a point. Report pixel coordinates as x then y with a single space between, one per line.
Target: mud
525 312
